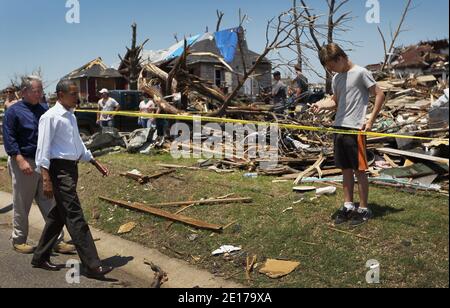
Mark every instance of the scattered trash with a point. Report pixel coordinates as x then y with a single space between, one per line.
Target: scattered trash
127 228
288 209
299 201
225 249
302 189
251 175
330 190
278 268
192 237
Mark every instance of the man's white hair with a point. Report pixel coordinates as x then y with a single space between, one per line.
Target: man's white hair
27 82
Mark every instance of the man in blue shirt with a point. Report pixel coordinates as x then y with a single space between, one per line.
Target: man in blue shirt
20 135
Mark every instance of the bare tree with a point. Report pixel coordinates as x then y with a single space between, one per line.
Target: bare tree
298 34
132 60
283 27
220 15
394 36
334 24
279 35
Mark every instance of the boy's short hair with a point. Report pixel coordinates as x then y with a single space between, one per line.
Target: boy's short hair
331 52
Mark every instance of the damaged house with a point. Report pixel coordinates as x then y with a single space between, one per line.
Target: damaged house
425 58
224 44
94 76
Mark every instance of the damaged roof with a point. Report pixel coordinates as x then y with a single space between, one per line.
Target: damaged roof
94 69
223 43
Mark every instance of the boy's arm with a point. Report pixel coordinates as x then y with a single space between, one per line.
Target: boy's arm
327 104
379 102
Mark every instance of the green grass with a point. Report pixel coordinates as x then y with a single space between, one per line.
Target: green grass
409 236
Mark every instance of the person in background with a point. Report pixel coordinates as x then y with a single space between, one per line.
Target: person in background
279 89
147 106
11 97
106 104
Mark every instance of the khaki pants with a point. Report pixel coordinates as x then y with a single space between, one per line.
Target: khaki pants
25 190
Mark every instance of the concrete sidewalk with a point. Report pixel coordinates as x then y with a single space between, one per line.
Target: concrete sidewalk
2 151
180 273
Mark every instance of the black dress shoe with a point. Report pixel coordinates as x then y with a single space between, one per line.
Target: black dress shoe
49 266
99 272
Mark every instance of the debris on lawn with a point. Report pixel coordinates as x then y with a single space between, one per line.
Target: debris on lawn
288 209
127 228
141 179
249 265
225 249
164 214
302 189
330 190
278 268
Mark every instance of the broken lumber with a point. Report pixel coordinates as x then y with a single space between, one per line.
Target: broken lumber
311 169
178 167
414 155
160 213
203 202
144 179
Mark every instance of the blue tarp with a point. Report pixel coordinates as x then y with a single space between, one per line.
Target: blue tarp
180 47
227 42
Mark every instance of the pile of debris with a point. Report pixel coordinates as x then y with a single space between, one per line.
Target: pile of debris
415 106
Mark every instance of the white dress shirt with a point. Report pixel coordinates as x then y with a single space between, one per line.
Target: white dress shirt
59 138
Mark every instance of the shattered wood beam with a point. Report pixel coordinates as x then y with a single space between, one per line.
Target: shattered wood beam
159 73
178 167
181 61
414 155
201 86
159 100
201 202
144 179
311 169
160 213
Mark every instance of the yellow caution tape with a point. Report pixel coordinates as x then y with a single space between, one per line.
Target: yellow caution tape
246 122
286 126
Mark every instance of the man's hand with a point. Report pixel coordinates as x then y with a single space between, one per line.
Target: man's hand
48 188
24 166
103 170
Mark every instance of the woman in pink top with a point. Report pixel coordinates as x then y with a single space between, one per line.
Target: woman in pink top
147 106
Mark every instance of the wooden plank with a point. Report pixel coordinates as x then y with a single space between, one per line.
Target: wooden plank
144 179
203 202
390 161
178 167
160 213
414 155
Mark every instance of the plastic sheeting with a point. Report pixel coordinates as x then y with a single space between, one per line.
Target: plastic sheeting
227 42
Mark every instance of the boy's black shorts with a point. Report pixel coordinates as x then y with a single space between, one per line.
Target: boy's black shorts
350 151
